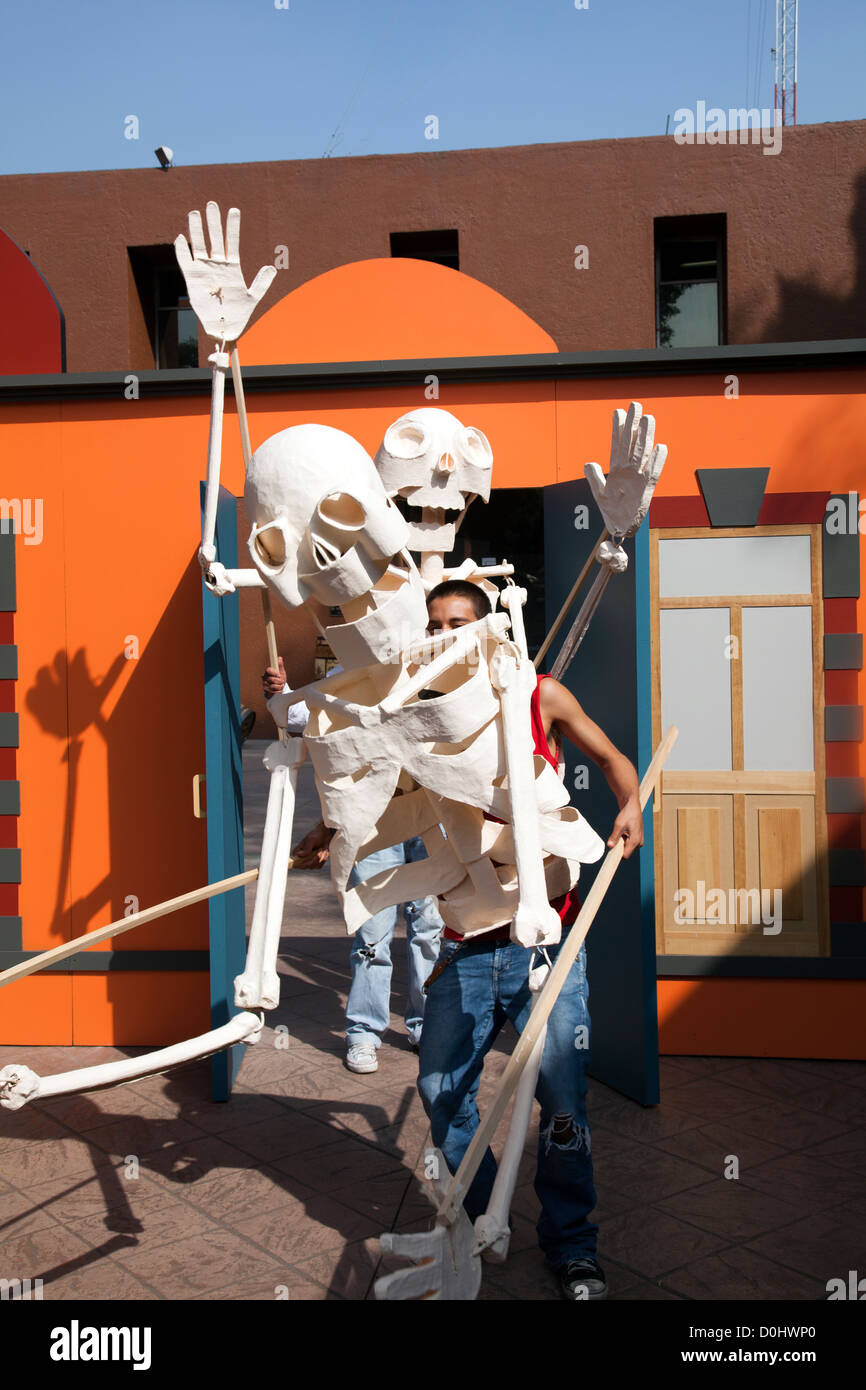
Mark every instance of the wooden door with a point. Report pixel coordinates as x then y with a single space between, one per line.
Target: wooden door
737 637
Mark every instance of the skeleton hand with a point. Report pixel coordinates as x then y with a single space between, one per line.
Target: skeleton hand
215 283
215 575
623 497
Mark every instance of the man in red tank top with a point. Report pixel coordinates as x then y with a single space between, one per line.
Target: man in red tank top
480 983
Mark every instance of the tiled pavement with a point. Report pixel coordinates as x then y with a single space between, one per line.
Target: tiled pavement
289 1185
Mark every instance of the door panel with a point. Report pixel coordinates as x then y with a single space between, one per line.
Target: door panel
741 802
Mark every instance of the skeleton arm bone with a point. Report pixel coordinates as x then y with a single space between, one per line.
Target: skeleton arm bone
222 304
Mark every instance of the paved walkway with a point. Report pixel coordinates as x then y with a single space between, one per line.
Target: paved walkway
152 1191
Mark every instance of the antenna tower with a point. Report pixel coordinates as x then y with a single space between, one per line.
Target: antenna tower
785 91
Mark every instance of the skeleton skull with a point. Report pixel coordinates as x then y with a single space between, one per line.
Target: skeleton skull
322 523
438 464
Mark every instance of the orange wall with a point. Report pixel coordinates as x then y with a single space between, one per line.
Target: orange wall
120 486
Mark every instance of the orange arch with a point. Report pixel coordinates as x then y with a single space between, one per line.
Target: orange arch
389 309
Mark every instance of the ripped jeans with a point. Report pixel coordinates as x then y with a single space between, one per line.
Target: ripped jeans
485 984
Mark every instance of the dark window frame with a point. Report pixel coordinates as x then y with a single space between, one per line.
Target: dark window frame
440 245
150 266
698 227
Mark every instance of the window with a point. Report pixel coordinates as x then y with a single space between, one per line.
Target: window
172 328
690 281
440 247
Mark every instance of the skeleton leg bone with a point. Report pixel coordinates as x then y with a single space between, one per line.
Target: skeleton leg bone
259 985
491 1228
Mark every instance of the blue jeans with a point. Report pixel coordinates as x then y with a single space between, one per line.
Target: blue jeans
368 1010
485 984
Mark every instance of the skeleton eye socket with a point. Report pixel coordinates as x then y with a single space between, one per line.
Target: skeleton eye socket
473 447
270 544
406 440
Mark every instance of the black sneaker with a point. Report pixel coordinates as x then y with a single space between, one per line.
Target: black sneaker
581 1279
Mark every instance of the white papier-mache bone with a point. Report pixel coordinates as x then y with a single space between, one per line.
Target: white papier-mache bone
624 495
218 293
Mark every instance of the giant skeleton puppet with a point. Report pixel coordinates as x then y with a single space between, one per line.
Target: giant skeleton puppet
390 763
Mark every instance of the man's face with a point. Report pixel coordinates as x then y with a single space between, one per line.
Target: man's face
450 613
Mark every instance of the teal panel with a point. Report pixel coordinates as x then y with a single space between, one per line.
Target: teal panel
610 676
224 792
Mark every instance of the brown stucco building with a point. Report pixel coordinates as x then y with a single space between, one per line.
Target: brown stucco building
791 231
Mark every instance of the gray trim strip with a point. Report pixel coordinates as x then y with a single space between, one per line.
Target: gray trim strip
845 796
10 798
96 962
10 866
843 723
843 651
8 730
8 663
841 558
847 870
832 353
10 933
8 601
757 967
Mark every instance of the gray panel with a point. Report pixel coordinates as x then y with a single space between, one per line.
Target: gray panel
841 559
8 663
843 651
95 962
696 686
704 566
10 866
778 719
10 798
10 934
847 869
7 568
843 723
8 730
733 495
845 796
848 939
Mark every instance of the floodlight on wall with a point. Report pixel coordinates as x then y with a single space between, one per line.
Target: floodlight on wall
165 156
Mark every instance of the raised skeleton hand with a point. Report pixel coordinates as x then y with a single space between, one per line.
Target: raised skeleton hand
215 282
623 497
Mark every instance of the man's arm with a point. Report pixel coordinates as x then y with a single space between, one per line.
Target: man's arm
561 711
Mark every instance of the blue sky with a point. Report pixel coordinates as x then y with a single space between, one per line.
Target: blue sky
225 81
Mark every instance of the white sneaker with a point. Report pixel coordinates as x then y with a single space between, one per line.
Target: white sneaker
362 1057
